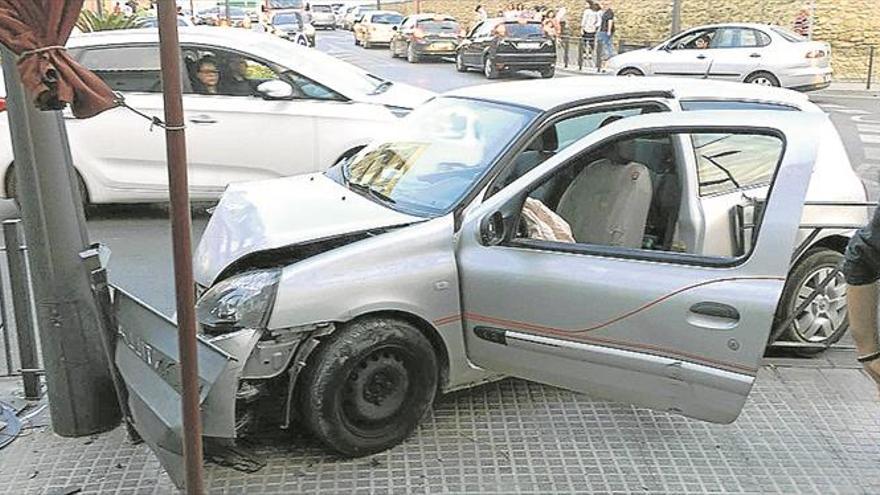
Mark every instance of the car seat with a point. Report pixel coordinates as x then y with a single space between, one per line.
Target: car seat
608 202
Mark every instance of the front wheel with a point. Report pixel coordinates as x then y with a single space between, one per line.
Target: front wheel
631 72
367 387
548 72
825 320
459 63
489 69
411 55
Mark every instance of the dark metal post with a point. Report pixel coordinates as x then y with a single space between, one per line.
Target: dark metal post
21 306
81 396
870 66
581 54
676 16
181 230
228 20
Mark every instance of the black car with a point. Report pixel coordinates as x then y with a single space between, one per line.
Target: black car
499 45
426 35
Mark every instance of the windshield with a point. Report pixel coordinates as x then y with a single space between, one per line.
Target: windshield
285 4
436 156
322 8
432 26
523 30
282 19
386 19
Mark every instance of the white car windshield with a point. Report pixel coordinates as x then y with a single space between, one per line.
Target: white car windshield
440 152
386 19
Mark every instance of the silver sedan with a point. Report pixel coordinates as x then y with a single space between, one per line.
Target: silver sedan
750 53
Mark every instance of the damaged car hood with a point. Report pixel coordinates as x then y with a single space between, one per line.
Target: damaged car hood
258 216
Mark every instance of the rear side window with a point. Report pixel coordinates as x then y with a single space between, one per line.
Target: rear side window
691 105
731 162
523 30
322 8
127 68
441 26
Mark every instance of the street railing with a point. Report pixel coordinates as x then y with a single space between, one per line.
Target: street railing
573 52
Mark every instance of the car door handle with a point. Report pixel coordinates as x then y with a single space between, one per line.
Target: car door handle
203 119
715 310
701 57
755 55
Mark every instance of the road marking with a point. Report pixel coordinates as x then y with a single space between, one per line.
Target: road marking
869 128
870 138
872 153
831 105
850 111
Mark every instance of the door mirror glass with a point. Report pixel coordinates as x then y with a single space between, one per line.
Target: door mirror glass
492 229
275 90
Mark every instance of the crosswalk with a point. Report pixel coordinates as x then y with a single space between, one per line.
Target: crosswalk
867 127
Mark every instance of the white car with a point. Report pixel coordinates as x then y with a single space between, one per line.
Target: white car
323 16
296 111
750 53
354 14
376 28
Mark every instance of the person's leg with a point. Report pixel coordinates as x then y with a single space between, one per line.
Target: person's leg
862 308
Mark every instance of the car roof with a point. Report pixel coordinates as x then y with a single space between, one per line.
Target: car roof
752 25
546 94
190 34
431 16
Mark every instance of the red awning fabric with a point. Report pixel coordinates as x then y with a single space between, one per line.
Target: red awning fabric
36 31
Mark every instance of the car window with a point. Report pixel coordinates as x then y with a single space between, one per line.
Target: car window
737 38
788 35
386 19
285 4
306 88
438 26
235 73
691 105
286 19
523 29
626 197
126 68
731 162
322 8
691 40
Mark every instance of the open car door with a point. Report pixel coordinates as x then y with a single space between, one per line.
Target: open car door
652 322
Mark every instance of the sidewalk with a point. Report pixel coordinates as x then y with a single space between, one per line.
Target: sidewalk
804 430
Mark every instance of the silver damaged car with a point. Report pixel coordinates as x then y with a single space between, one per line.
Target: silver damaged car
591 235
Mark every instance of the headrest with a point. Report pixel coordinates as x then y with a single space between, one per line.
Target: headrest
625 151
656 154
548 141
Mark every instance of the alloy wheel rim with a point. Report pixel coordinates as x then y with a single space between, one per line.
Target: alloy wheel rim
825 315
762 81
488 68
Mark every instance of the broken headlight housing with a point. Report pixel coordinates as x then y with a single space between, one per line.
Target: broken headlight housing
238 302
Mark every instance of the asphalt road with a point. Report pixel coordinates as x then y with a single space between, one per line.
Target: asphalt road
140 237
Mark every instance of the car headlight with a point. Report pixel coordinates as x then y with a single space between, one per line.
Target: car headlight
241 301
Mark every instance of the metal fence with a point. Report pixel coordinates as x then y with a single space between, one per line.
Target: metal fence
19 340
856 66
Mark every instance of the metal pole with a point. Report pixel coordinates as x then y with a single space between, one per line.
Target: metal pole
418 7
81 396
21 306
181 230
228 21
676 16
870 67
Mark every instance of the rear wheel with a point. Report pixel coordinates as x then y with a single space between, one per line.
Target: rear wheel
762 79
824 321
489 69
368 385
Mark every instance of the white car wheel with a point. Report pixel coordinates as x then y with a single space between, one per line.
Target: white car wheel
762 79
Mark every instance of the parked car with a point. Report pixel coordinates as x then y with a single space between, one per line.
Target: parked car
213 16
376 28
354 15
749 53
496 46
426 35
153 22
323 16
634 239
271 7
291 26
295 110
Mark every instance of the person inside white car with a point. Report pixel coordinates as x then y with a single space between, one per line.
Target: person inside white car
207 78
234 81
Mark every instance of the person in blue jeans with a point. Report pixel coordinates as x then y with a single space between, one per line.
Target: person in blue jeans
606 32
862 270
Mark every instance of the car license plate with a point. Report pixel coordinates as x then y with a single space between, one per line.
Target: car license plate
441 46
528 46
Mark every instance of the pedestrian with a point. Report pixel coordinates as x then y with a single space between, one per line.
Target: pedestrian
510 14
861 268
803 23
550 25
117 8
605 36
482 15
590 23
561 19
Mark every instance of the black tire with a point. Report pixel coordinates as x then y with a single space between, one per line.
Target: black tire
9 186
392 50
762 78
631 71
368 386
356 41
459 62
366 44
489 69
411 55
829 309
548 72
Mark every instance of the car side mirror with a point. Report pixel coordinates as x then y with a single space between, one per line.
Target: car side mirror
493 229
275 90
394 28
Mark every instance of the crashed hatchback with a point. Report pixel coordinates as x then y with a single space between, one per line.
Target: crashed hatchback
588 235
